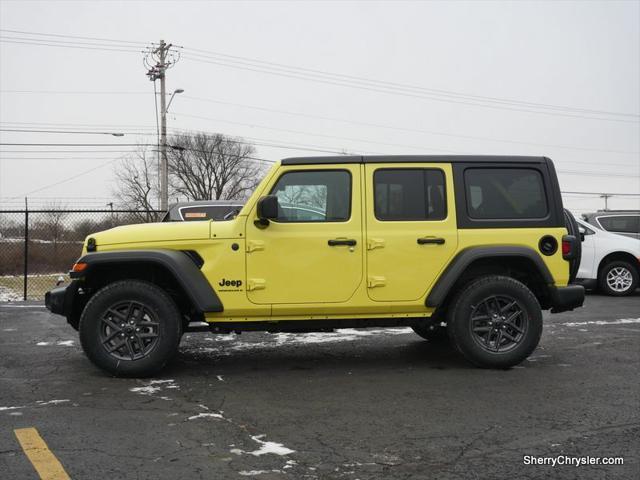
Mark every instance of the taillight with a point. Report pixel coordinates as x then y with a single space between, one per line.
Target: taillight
570 247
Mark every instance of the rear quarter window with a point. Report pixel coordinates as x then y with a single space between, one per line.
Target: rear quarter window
623 224
505 193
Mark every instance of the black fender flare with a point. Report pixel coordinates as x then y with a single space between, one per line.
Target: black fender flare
467 256
202 295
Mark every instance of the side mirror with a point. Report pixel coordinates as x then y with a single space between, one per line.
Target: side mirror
267 209
582 231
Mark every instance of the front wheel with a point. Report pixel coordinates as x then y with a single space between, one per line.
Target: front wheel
495 322
618 278
130 328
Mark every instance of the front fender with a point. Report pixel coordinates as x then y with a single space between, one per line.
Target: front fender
176 263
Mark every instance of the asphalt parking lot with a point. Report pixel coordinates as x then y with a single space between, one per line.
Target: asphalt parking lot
356 404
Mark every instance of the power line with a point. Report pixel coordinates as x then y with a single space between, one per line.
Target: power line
76 92
448 93
603 193
75 144
334 119
68 179
252 64
106 49
387 90
412 130
24 130
41 34
334 137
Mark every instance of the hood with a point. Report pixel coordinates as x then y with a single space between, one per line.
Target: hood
153 232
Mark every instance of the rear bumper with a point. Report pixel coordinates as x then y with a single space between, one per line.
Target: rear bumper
60 299
566 298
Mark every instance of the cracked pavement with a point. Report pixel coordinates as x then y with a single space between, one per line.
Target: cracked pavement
339 406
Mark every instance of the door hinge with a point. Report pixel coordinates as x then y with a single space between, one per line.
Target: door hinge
253 245
256 284
373 281
373 243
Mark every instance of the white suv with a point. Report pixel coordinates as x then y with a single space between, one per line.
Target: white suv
609 261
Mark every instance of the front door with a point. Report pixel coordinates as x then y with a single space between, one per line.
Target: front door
312 253
411 228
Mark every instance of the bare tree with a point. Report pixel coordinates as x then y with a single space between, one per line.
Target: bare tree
52 225
212 167
137 183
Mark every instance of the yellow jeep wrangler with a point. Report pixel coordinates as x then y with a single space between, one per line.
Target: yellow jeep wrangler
468 247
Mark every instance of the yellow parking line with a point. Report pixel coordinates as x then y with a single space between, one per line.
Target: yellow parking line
43 460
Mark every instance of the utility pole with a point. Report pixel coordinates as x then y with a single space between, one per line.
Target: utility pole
158 60
606 197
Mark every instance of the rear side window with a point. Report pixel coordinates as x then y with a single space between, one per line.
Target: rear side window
409 194
505 193
623 224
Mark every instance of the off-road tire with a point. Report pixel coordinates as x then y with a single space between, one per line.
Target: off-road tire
151 308
472 298
618 266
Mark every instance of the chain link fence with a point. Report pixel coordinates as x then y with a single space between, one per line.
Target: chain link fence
37 247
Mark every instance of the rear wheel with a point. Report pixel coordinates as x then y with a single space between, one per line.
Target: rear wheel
495 322
130 328
618 278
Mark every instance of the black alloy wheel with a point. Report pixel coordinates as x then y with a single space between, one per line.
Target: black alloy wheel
129 330
498 323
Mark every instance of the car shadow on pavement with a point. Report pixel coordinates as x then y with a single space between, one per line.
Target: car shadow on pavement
347 356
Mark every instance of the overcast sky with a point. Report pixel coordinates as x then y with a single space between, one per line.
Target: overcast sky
475 77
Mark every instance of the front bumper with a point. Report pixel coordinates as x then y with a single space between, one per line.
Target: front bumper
566 298
60 299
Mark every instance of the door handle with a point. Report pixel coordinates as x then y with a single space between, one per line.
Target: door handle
339 241
431 240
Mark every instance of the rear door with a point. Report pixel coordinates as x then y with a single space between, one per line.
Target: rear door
411 228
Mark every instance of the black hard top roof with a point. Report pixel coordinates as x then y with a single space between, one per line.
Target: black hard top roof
412 159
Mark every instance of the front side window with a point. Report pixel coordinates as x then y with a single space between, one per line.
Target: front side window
409 194
505 193
314 196
623 224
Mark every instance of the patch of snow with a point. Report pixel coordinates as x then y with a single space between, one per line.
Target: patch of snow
250 473
154 386
621 321
219 377
205 415
61 343
51 402
8 295
15 414
269 447
2 409
147 390
236 451
9 329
